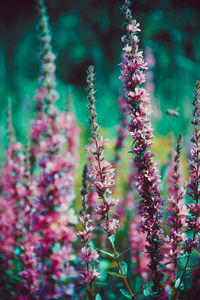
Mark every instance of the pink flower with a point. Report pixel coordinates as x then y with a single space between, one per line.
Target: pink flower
110 226
55 140
177 209
148 178
100 172
85 234
88 254
193 189
90 275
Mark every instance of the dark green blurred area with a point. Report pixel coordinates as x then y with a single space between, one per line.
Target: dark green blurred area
89 32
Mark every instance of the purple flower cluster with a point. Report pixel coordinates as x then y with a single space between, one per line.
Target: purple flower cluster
55 140
177 210
46 94
101 175
39 254
192 221
100 172
87 253
148 179
193 188
12 193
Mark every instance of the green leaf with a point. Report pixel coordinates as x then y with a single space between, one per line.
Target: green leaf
163 266
147 289
124 267
170 294
103 268
125 293
177 283
169 277
98 297
127 250
196 252
98 283
112 239
117 274
105 252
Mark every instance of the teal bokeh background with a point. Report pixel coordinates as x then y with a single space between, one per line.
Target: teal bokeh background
89 32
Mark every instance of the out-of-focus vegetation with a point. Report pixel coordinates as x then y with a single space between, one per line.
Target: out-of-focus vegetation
88 31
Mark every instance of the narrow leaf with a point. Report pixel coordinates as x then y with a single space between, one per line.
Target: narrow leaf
112 239
127 250
117 274
98 297
177 284
124 267
125 293
196 252
147 289
105 252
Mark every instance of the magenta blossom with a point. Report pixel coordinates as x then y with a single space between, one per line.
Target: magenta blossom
148 178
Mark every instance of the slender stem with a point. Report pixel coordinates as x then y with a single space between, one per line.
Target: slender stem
182 277
175 270
119 265
90 286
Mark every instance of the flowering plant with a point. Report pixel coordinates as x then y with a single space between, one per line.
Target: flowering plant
136 237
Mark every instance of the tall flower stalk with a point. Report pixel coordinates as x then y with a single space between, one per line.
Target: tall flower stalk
148 179
87 253
29 275
101 174
46 94
12 192
177 209
53 217
193 189
11 209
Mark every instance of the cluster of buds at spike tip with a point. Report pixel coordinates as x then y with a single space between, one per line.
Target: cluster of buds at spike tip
177 209
193 188
87 255
46 94
100 172
148 178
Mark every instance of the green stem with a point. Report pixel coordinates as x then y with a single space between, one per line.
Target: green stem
119 265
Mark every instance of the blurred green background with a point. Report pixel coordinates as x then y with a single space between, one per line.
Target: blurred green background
89 32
